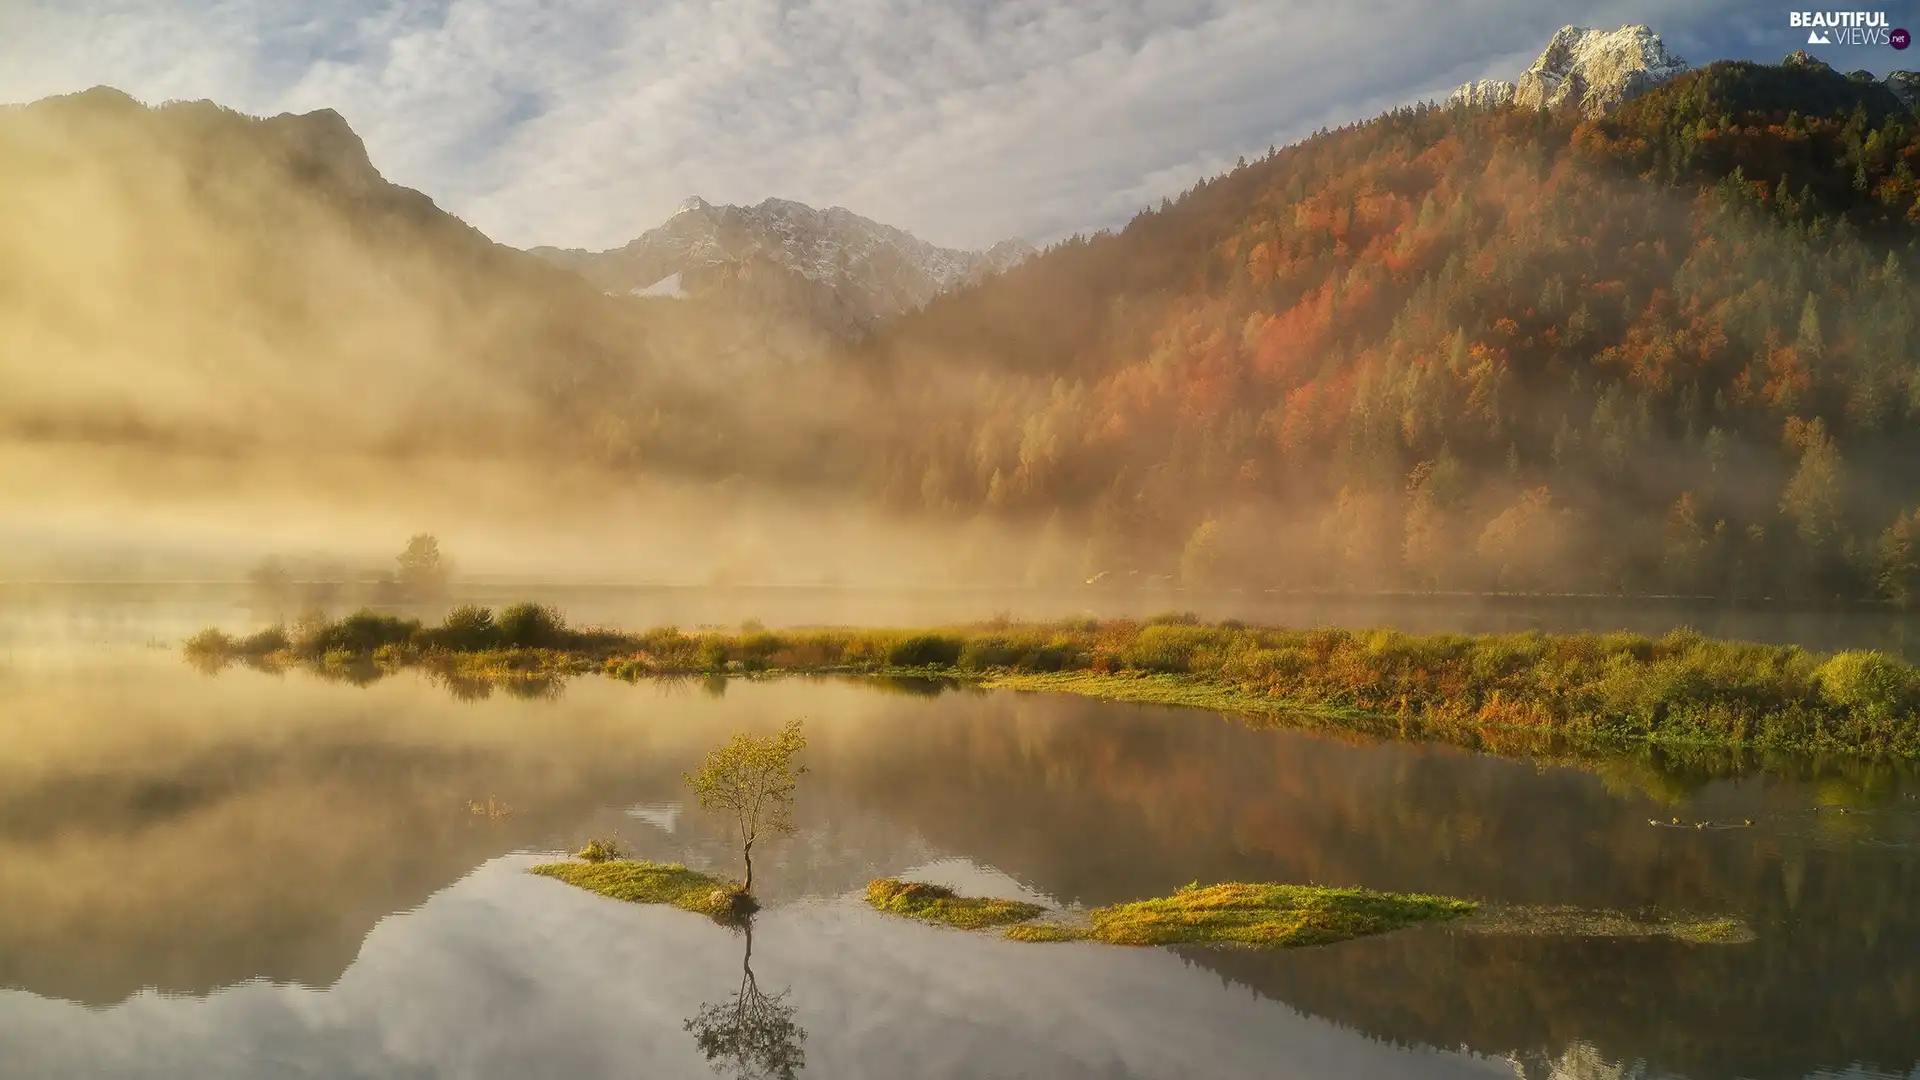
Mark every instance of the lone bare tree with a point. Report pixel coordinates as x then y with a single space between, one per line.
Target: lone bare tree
752 780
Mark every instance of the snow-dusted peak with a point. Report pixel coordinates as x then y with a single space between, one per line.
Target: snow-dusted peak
873 271
1583 68
1484 93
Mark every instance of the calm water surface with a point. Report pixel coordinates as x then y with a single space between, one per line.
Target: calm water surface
252 875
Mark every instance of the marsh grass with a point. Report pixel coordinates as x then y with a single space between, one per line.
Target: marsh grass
1269 916
936 903
1523 694
640 882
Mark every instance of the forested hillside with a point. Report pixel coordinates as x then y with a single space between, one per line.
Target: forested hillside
1666 350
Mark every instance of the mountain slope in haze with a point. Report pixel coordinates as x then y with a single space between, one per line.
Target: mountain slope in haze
196 281
230 334
1664 349
851 272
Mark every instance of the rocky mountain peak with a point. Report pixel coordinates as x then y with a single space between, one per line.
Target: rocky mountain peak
1583 68
871 271
1905 86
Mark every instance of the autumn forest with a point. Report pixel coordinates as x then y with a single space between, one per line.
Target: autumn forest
1665 351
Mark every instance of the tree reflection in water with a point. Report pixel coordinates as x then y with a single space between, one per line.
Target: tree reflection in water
753 1034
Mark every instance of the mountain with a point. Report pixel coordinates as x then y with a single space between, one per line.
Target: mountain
197 279
1591 70
191 284
850 271
1665 349
1905 86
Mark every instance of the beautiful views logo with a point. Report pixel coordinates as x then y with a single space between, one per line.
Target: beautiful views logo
1848 28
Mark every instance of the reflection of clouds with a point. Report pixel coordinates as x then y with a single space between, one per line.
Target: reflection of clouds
666 818
507 975
970 878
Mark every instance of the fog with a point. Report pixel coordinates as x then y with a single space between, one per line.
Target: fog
1522 366
224 337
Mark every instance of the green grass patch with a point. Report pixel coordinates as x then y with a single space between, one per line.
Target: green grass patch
1046 932
641 882
1163 689
935 903
1270 916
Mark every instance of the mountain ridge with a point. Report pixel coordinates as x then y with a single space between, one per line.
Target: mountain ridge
875 271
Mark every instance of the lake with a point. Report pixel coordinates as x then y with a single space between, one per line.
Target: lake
251 875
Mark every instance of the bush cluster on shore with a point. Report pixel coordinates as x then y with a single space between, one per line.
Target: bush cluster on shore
1616 688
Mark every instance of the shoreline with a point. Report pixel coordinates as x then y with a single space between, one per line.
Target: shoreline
1518 695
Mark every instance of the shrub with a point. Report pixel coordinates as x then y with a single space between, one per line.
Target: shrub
265 642
601 849
713 654
1868 683
925 650
532 626
759 643
981 653
468 628
1174 618
1168 647
210 642
359 633
1053 656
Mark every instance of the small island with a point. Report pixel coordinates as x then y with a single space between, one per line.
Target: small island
641 882
1234 913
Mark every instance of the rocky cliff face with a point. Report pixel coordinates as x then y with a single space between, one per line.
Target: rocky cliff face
1905 86
864 271
1583 68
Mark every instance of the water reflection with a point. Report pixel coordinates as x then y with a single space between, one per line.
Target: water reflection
753 1034
159 830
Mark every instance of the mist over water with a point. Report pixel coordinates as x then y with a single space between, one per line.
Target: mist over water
247 868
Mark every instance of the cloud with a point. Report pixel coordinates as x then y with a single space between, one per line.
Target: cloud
585 123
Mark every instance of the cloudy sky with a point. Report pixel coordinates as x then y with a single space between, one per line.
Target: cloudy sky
583 122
